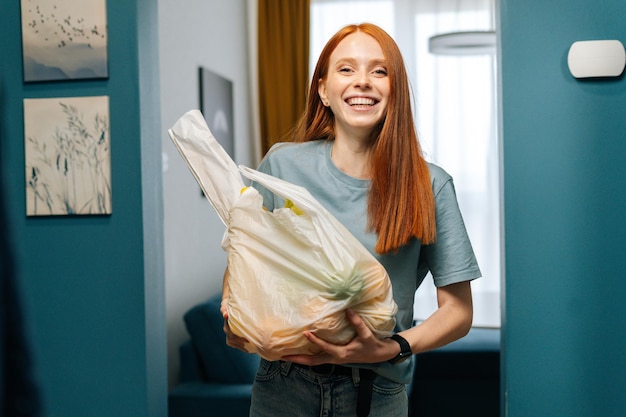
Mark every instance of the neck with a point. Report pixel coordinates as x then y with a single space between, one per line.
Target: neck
352 158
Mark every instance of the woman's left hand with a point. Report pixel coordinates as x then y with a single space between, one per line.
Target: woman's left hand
364 348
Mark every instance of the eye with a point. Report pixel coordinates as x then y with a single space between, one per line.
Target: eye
345 69
382 72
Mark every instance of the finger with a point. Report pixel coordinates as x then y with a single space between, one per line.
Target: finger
237 342
224 308
233 340
226 327
321 343
359 325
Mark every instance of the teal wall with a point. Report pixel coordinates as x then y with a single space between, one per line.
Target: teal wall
93 286
564 159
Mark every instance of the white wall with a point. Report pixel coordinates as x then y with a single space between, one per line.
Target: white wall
211 34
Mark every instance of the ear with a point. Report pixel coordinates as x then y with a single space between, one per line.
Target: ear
321 91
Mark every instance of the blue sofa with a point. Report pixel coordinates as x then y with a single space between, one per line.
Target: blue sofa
215 379
462 378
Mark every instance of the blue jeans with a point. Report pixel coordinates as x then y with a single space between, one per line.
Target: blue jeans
282 389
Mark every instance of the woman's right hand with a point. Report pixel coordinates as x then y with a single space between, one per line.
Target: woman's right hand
232 339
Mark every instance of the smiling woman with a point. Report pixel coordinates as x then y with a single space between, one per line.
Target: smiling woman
356 151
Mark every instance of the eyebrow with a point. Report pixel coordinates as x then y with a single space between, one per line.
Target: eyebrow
377 61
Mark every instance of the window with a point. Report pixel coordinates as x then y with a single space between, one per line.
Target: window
328 16
455 113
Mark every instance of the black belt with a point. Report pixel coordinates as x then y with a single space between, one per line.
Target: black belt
364 399
326 369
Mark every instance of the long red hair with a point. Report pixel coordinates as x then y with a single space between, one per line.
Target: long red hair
401 205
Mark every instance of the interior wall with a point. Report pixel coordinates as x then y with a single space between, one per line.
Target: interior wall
90 283
564 159
212 34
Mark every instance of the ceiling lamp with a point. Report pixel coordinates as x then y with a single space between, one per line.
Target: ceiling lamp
463 43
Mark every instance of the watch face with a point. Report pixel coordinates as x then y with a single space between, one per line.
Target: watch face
398 359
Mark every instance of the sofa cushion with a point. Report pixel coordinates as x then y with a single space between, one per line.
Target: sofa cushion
220 362
196 399
190 368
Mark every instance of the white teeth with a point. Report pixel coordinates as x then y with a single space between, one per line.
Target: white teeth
355 101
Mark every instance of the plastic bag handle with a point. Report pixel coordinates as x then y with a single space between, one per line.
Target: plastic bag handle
300 196
209 163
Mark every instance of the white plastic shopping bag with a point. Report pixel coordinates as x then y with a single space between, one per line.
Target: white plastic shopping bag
293 269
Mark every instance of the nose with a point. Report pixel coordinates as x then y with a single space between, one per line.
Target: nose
362 80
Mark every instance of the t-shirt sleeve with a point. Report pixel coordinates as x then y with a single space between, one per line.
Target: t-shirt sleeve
451 258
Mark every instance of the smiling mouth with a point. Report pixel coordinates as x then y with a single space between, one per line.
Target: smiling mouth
361 101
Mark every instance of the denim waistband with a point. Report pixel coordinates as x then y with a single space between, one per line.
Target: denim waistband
365 380
326 369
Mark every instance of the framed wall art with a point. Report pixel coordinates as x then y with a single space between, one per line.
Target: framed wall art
216 104
68 159
64 39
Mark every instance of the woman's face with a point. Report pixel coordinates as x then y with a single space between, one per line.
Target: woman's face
357 86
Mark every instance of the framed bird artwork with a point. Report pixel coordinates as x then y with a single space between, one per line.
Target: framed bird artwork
64 39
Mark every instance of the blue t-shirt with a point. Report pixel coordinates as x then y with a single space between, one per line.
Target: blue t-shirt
450 259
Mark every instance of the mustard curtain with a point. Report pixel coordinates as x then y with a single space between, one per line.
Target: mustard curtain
283 55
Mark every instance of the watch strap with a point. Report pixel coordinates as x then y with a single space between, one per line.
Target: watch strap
405 349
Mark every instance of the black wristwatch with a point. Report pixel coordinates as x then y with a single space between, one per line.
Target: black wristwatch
405 349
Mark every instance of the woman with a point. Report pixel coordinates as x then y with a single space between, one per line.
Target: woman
357 153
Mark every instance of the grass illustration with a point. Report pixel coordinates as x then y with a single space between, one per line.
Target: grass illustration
68 172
